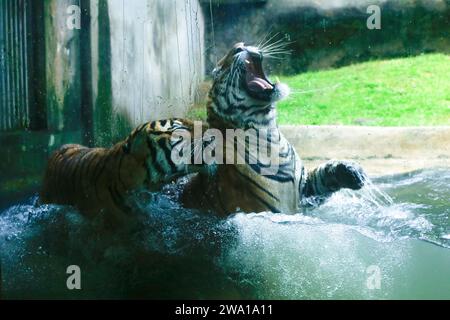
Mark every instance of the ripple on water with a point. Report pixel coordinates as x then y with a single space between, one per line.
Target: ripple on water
177 253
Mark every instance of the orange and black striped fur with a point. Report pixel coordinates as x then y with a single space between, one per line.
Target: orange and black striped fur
242 97
95 179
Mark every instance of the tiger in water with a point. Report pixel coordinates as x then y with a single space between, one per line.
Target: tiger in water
242 97
96 179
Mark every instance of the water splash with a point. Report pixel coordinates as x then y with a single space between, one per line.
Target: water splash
172 252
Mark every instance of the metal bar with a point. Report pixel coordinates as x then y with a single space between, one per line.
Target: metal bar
9 102
2 69
22 70
21 110
16 67
5 76
25 60
16 57
13 65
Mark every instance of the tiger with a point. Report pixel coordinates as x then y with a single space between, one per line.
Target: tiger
242 97
97 180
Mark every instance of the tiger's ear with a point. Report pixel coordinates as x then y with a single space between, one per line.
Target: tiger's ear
126 148
215 72
238 46
225 61
135 144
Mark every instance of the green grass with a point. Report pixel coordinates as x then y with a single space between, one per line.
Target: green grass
400 92
197 113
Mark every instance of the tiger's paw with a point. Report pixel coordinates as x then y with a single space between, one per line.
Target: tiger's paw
350 175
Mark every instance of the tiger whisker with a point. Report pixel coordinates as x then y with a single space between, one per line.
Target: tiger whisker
265 37
274 57
268 40
278 56
273 44
278 43
277 53
281 43
276 48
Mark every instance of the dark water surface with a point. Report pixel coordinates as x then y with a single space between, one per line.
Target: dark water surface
399 227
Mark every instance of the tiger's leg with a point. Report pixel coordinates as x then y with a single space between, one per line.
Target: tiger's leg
330 177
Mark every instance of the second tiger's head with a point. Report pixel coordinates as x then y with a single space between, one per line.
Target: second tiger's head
170 148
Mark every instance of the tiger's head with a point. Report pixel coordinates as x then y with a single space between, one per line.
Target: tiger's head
169 149
241 93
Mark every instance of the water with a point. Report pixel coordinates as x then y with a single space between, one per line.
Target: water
397 229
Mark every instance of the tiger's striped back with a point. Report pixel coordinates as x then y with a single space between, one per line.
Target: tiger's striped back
93 179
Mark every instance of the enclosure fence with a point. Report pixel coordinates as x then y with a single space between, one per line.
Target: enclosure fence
14 64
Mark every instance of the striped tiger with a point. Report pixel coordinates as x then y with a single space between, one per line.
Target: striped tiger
242 97
96 179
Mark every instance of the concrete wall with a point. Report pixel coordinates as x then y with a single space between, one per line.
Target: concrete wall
380 150
147 61
62 68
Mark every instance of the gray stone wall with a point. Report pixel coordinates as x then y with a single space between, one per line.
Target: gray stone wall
62 56
329 33
147 61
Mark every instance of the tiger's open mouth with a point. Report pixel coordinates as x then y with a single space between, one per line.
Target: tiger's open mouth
256 82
